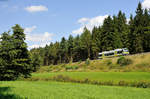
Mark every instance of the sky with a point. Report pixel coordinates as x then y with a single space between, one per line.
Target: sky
46 21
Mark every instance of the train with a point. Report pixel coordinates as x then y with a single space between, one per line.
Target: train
113 53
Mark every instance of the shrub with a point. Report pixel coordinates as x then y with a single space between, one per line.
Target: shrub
61 78
68 67
108 62
75 67
71 67
87 62
124 61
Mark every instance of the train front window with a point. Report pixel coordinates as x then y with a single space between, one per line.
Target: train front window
125 50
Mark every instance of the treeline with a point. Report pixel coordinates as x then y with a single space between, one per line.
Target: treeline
15 59
115 33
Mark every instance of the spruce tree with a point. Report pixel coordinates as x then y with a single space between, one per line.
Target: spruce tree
21 59
63 50
110 36
15 59
70 48
122 28
77 50
146 35
86 43
95 42
7 70
138 30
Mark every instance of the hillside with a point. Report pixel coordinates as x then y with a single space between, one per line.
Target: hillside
139 63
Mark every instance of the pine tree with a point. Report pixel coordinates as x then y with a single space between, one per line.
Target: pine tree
146 35
77 50
21 59
138 30
122 29
15 59
46 55
131 35
70 48
86 43
36 62
55 53
6 56
95 42
117 35
110 36
63 50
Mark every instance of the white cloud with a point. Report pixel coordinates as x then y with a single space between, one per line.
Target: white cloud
38 45
83 20
128 20
43 37
89 23
146 4
37 39
36 8
29 29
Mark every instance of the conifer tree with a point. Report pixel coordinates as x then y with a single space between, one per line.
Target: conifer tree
122 29
86 42
138 30
63 50
95 42
7 71
70 48
77 51
22 59
110 36
15 59
146 35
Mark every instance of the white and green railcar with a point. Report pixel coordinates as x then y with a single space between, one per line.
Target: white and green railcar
112 53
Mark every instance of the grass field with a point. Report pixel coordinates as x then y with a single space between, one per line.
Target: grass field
57 90
100 76
97 70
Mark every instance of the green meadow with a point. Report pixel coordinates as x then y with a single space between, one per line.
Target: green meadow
99 76
59 90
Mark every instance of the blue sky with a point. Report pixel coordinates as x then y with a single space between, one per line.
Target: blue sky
47 21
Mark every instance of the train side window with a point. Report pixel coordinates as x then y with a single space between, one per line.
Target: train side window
119 52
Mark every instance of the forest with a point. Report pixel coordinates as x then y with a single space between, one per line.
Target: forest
116 32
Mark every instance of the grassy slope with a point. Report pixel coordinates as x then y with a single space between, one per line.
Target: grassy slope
56 90
141 63
100 76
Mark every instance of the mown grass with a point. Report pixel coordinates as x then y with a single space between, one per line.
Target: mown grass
99 76
57 90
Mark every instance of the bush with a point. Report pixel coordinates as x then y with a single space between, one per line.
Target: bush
71 67
124 61
75 67
109 62
87 62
